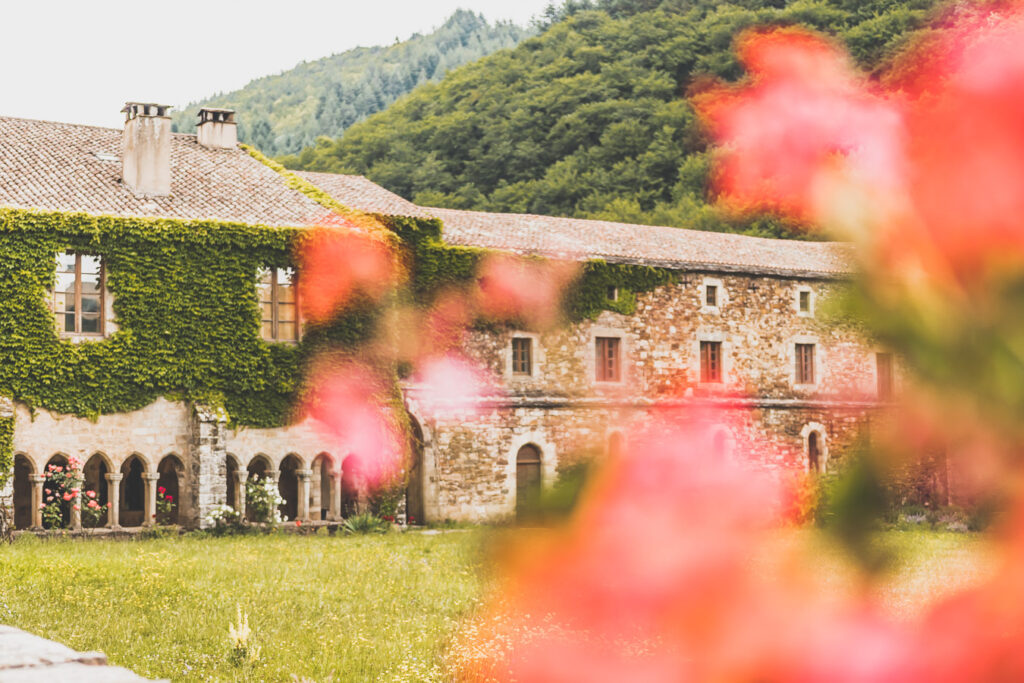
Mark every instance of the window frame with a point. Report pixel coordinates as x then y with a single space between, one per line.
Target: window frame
602 358
275 305
712 370
102 316
804 370
721 296
526 342
800 292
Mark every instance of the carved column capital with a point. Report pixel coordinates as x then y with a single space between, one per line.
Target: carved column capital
114 476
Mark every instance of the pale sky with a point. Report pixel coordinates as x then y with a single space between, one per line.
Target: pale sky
78 61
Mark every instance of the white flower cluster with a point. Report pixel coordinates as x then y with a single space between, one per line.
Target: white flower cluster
222 515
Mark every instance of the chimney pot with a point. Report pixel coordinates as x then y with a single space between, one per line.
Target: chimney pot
217 128
146 148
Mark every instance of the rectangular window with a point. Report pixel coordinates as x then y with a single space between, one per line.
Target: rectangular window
78 294
278 304
612 293
711 361
883 365
805 301
608 363
711 296
522 356
805 363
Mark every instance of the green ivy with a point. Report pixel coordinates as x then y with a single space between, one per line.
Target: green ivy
6 449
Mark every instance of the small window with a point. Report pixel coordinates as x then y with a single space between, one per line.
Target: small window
805 301
522 356
78 294
805 363
711 296
883 366
612 293
711 361
608 363
280 320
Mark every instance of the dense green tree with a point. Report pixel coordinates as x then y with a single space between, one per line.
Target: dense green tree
590 118
282 114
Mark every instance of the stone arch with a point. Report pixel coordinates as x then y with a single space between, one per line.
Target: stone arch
288 485
815 446
171 478
24 469
57 460
415 503
324 488
529 480
259 467
94 481
132 504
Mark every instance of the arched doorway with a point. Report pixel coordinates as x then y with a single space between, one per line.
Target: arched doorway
352 485
323 492
414 506
94 481
814 459
528 481
23 472
53 494
288 486
132 510
231 475
171 474
258 470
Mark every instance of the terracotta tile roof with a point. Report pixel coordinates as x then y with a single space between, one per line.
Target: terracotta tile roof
581 239
54 166
363 194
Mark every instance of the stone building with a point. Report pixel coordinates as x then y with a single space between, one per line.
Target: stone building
737 325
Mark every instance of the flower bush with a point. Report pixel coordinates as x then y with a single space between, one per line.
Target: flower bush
60 491
263 501
224 519
165 506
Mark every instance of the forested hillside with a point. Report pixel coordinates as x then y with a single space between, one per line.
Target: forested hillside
589 119
284 113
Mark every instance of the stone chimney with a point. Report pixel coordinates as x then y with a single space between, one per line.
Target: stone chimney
217 128
146 149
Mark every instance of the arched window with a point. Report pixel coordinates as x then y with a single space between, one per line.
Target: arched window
528 481
94 476
323 505
171 473
231 481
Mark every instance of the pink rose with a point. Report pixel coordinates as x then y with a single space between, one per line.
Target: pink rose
49 499
91 494
68 496
93 504
110 505
76 507
58 469
42 506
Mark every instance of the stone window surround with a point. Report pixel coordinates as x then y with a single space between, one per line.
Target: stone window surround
536 358
721 298
819 360
548 463
108 322
590 355
796 301
822 446
726 360
299 320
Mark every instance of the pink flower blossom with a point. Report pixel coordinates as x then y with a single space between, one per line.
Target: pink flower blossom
76 507
91 494
93 504
67 496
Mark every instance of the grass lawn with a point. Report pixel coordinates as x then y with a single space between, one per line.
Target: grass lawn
364 608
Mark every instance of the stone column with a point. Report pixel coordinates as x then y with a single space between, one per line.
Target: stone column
275 476
114 496
334 507
205 484
151 478
303 507
76 510
239 485
37 499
